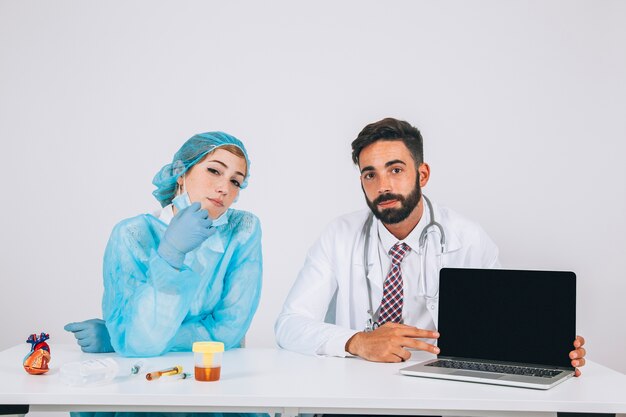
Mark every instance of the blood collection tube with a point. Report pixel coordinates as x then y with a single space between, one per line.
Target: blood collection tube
175 370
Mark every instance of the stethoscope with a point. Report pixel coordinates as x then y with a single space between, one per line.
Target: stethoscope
432 226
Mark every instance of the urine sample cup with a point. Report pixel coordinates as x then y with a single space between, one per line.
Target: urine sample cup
208 360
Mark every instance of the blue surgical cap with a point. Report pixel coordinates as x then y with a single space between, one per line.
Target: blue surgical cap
187 156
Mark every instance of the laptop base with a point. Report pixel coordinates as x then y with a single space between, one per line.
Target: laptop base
421 370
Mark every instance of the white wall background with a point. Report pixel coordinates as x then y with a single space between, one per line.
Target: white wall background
522 105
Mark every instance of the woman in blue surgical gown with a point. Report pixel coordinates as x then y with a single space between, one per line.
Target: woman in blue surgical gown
189 273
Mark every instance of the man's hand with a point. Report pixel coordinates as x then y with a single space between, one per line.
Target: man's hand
578 355
388 343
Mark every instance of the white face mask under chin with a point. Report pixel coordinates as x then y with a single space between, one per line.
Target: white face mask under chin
181 201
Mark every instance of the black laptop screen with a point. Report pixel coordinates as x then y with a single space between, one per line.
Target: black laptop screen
507 315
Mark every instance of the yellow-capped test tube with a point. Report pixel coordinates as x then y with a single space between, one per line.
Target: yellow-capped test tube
175 370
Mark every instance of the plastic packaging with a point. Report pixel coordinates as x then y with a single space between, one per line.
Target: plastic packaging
96 371
208 360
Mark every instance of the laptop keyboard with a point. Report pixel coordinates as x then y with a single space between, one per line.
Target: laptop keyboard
490 367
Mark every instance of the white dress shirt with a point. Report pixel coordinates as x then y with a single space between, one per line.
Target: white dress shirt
414 310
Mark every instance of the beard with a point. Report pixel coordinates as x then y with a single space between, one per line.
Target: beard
396 215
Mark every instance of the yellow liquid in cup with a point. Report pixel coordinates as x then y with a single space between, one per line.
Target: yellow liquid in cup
208 374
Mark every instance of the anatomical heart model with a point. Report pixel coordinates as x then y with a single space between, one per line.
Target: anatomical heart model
37 360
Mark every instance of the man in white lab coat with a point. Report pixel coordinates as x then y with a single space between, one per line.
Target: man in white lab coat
356 263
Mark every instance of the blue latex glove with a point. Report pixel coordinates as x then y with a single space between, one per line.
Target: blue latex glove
187 230
92 335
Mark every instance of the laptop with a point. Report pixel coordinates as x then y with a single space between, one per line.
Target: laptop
504 327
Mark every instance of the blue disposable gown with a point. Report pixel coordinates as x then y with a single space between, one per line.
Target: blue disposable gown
151 308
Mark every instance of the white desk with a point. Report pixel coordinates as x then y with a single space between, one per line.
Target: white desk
274 380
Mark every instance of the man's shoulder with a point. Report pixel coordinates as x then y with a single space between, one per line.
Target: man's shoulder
468 233
453 218
348 223
341 234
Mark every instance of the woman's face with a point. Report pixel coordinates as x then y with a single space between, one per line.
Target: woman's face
214 181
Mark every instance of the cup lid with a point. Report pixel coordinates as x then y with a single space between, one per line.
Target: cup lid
208 347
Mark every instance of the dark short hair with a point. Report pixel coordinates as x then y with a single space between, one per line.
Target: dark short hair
390 129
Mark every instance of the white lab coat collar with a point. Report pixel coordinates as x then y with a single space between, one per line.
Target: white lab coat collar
387 239
378 233
453 241
373 275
